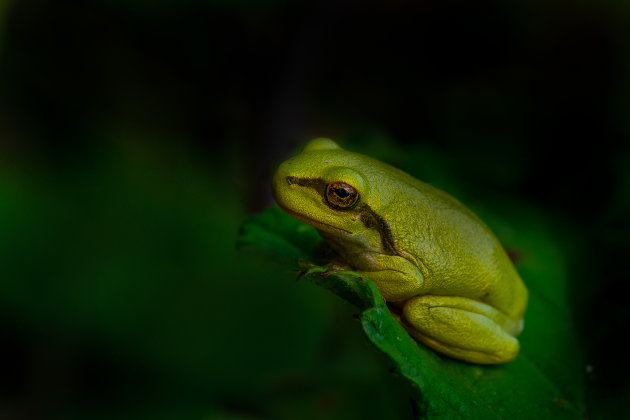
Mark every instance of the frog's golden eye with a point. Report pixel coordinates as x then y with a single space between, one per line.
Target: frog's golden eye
340 195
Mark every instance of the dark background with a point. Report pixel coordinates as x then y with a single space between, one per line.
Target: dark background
136 135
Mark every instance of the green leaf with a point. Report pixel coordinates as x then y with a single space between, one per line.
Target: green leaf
544 381
276 236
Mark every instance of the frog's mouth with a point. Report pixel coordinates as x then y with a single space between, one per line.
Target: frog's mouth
315 223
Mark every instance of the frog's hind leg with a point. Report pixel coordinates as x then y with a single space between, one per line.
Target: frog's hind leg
462 328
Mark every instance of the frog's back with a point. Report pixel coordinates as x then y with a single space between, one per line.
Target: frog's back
457 252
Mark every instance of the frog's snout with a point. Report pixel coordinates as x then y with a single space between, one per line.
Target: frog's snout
281 181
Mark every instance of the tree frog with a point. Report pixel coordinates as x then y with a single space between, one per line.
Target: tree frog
439 267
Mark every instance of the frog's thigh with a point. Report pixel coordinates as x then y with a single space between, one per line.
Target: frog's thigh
462 328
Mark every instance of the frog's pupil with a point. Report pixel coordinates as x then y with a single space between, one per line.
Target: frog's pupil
342 192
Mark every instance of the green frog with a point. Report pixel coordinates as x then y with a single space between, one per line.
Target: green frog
434 261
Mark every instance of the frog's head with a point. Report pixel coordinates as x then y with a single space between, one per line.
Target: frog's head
330 189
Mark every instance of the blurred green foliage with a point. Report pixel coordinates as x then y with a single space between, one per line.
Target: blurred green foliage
136 136
128 273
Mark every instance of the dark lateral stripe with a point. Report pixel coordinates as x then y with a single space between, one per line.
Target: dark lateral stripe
317 184
369 218
372 220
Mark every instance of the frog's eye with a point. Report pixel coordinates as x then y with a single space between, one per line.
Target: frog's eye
341 195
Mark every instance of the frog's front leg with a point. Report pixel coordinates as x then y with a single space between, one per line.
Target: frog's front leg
462 328
395 277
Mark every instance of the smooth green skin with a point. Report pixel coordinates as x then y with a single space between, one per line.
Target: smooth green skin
431 258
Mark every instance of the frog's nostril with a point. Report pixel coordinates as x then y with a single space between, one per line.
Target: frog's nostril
290 180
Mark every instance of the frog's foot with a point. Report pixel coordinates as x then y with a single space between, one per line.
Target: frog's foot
462 328
337 266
